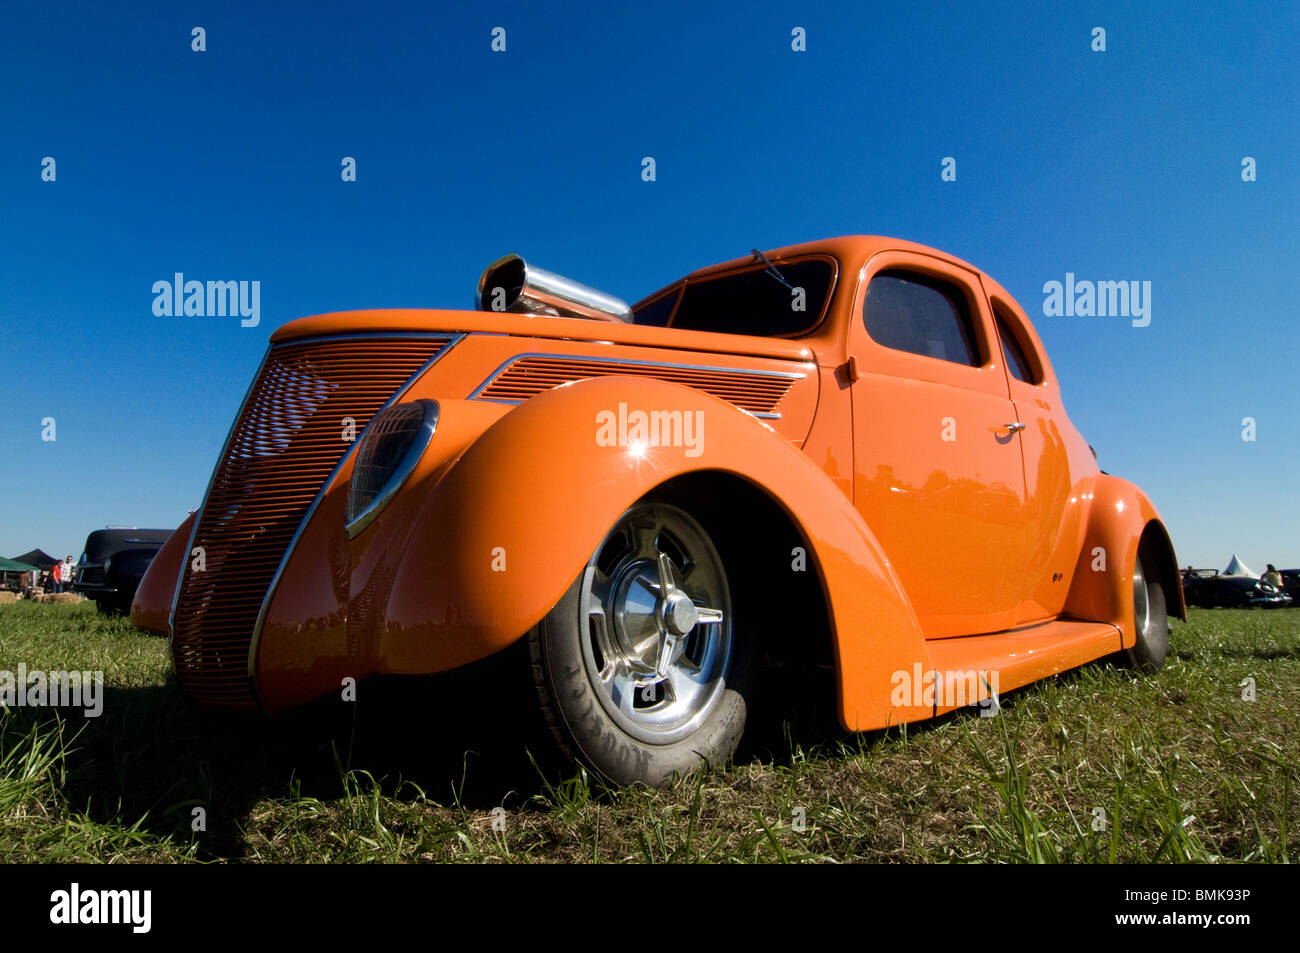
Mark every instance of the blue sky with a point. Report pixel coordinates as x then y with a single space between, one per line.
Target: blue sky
1123 164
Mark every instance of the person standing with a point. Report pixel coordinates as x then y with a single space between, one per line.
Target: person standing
56 577
69 574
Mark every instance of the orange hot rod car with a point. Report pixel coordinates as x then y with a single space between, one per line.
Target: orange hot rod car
851 449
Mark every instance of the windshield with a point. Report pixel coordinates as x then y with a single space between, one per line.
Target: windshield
748 301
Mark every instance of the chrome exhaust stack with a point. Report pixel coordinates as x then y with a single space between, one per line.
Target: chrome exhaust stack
510 284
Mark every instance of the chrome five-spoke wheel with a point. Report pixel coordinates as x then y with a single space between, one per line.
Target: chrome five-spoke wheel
640 671
658 624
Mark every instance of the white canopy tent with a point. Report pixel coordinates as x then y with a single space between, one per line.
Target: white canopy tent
1237 568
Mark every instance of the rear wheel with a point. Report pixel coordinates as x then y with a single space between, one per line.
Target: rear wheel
639 672
1150 621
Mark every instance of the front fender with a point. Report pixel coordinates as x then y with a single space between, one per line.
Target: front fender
508 526
151 607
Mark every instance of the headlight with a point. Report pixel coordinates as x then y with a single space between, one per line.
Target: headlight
391 446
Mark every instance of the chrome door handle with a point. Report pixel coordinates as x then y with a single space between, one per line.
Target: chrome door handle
1015 427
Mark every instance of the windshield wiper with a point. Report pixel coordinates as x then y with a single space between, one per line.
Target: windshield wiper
771 269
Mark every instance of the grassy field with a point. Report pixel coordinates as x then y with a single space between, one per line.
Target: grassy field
418 770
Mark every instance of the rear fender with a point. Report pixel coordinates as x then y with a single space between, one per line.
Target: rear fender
1120 519
507 528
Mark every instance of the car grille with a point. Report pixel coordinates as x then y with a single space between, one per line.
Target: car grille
91 576
756 392
284 446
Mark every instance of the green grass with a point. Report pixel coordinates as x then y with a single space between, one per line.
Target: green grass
1183 768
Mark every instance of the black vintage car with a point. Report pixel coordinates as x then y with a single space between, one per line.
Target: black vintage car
114 563
1231 592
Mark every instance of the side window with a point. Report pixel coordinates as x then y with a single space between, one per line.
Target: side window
909 311
1017 363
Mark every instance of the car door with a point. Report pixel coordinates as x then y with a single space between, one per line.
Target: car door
1059 465
937 459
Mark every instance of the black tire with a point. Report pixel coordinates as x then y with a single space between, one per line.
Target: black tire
114 605
1151 621
626 686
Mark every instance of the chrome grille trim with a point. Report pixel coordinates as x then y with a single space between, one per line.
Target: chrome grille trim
262 493
451 341
477 393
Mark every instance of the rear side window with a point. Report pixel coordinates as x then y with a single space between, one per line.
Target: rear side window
1017 363
909 311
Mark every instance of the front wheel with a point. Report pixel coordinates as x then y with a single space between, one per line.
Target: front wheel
638 669
113 605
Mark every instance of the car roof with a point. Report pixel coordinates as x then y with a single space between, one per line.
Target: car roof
844 248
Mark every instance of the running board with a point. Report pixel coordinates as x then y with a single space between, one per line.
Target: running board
1016 658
